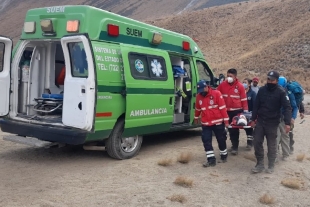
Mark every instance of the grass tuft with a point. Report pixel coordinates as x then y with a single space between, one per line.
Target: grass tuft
291 183
185 157
165 162
183 181
301 157
177 198
250 157
267 199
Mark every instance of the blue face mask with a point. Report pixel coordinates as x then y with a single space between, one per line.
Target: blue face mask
245 86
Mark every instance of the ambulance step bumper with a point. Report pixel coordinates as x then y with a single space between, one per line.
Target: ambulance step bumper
34 142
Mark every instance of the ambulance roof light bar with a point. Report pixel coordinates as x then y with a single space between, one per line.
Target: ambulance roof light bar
113 30
186 45
73 25
47 27
30 27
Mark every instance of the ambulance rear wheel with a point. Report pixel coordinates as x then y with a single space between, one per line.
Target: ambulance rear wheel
119 147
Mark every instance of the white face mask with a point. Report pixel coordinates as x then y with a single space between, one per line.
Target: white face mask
230 79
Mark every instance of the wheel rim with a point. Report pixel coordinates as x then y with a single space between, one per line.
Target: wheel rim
129 144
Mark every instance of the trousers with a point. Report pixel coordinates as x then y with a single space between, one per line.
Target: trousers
220 134
234 132
284 139
270 131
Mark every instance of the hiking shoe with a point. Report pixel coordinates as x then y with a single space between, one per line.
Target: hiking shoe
292 150
285 158
276 160
224 160
209 164
258 169
234 152
270 170
248 147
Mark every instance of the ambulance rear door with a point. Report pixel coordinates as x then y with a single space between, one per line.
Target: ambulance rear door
5 68
149 90
80 83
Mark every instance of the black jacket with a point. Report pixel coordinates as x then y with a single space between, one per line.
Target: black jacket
268 104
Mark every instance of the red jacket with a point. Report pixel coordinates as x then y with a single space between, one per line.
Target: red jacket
234 95
211 108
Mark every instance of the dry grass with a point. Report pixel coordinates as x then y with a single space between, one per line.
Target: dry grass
185 157
177 198
250 157
267 199
293 183
301 157
183 181
165 162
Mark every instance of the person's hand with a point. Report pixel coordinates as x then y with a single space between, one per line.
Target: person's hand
226 125
302 115
287 128
195 121
292 121
252 124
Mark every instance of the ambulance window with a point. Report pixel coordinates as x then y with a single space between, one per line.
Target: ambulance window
138 66
157 67
1 56
204 71
79 65
147 67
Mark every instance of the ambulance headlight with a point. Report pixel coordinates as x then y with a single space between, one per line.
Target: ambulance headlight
157 38
30 27
47 26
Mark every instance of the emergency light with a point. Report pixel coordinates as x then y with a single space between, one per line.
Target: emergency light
157 38
113 30
30 27
73 25
47 26
186 45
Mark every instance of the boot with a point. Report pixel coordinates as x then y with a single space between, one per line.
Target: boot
224 158
211 162
270 167
259 167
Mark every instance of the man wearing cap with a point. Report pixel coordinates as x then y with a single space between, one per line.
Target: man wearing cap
266 118
255 86
236 102
211 109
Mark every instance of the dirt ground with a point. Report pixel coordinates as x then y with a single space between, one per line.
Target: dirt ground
74 177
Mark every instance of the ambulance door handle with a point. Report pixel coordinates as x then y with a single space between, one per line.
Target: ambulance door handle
80 105
170 100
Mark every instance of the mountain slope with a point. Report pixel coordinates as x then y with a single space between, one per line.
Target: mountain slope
253 37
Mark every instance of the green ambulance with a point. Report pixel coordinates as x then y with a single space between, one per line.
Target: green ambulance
122 79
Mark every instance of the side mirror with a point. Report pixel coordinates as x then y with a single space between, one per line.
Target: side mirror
220 79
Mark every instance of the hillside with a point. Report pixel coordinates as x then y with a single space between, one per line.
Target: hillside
252 36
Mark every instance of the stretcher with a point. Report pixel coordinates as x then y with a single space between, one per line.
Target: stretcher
48 103
238 127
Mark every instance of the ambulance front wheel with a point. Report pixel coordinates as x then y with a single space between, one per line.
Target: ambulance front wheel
119 147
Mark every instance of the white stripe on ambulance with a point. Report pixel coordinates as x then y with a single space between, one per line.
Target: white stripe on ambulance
147 112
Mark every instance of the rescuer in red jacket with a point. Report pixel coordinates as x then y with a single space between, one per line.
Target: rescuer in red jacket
236 102
210 106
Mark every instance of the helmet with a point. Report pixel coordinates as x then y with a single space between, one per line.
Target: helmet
282 81
242 121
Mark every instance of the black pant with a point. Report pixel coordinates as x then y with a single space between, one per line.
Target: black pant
270 131
220 134
234 132
249 134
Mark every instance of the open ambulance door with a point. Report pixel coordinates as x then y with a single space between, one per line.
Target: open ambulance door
80 83
149 90
5 68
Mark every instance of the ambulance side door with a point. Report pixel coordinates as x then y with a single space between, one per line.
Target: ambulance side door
5 68
149 90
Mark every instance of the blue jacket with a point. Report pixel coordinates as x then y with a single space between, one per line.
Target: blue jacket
251 96
293 104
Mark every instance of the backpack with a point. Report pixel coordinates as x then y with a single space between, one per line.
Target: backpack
295 88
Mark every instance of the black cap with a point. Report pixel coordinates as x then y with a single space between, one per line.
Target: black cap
273 75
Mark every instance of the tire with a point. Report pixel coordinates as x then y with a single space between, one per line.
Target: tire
122 148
